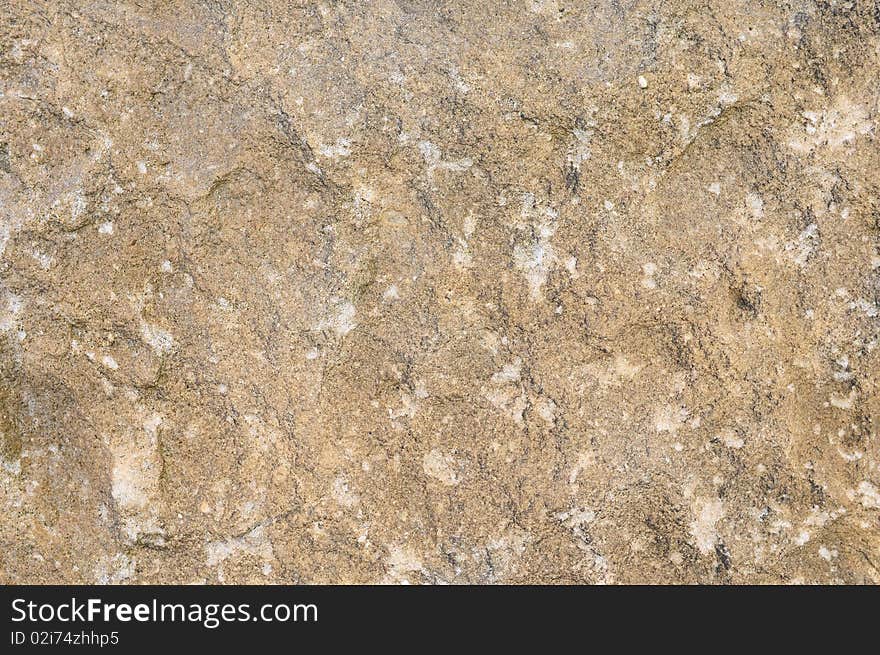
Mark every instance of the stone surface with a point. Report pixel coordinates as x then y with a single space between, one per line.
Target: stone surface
439 291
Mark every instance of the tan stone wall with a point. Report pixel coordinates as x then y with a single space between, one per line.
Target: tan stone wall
453 291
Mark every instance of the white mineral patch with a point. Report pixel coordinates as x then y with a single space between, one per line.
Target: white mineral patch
44 260
827 553
535 256
755 205
870 495
341 148
255 542
730 439
343 494
648 271
158 339
844 402
669 418
708 512
835 127
441 466
135 471
340 317
114 570
9 316
434 160
546 409
509 373
401 564
803 247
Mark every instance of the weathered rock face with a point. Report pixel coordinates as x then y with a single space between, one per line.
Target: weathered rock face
456 291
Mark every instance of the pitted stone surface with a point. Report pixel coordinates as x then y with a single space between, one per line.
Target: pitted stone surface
439 292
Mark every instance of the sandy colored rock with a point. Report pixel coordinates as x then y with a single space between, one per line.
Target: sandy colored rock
459 292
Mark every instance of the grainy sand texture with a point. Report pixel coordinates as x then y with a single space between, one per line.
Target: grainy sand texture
439 291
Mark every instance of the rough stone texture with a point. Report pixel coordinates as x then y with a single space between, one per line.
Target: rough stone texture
439 291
